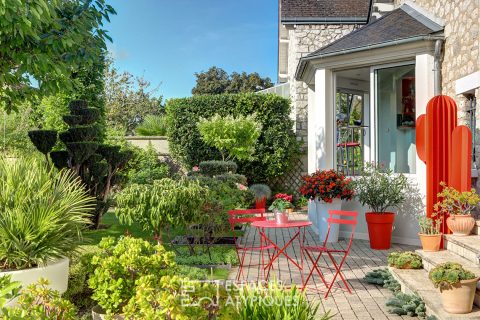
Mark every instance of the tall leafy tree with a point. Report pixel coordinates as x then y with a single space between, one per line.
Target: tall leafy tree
44 43
217 81
128 99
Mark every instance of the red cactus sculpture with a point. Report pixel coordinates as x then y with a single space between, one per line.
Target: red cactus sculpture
445 148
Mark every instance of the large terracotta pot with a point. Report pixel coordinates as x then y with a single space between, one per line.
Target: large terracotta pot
430 242
459 297
380 226
261 203
460 225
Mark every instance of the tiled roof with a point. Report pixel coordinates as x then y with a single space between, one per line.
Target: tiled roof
401 23
318 10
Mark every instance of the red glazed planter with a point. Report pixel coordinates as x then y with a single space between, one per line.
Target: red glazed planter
380 226
261 203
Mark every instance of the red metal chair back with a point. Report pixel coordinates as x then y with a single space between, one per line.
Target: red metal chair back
339 217
243 216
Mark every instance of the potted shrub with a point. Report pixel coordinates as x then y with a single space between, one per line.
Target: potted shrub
430 234
43 213
457 286
380 189
279 207
262 194
405 260
458 206
327 188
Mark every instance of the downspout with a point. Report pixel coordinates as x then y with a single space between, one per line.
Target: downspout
437 71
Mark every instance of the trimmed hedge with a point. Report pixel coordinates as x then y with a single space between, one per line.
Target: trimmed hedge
213 167
275 149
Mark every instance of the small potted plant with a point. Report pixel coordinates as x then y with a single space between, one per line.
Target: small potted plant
430 234
302 203
405 260
458 206
381 190
327 188
280 206
457 286
286 197
262 193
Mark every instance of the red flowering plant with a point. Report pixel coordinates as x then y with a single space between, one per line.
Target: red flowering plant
327 185
284 196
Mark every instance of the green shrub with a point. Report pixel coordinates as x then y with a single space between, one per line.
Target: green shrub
164 204
232 178
152 125
167 298
192 272
145 167
217 256
37 301
276 302
235 138
120 265
405 260
276 146
445 275
42 213
80 270
213 168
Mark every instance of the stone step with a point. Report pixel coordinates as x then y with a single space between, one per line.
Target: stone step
417 282
467 247
432 259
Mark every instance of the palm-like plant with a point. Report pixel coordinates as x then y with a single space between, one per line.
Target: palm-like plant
42 213
152 126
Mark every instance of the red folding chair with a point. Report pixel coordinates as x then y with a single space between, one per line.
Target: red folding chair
336 217
243 217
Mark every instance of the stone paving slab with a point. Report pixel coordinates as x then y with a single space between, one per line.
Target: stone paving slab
366 301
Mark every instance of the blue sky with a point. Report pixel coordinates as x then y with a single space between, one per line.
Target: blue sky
168 41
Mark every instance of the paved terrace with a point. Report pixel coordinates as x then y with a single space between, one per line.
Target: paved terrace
366 301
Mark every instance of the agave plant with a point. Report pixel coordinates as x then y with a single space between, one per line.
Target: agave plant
152 126
42 213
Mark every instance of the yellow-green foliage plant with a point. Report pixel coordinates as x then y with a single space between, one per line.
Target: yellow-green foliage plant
276 302
455 202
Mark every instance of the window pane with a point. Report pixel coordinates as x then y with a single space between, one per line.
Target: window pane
395 103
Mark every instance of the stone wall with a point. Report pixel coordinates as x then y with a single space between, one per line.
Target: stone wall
305 39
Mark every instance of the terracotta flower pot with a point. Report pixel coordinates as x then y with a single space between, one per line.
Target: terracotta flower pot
461 225
459 297
261 203
380 226
430 242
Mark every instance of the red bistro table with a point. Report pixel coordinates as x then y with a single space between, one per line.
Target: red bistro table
272 224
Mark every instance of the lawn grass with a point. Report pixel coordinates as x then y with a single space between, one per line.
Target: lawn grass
111 227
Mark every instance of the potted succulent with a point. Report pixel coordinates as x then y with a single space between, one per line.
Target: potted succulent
262 193
381 190
458 206
457 286
327 188
279 207
44 213
405 260
430 235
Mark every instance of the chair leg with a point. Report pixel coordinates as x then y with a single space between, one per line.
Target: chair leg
314 268
339 272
